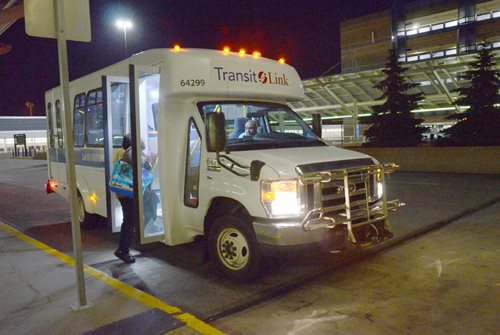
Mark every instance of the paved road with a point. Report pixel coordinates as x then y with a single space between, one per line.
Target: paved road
446 282
179 275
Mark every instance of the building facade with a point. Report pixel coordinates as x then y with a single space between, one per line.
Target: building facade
34 129
436 41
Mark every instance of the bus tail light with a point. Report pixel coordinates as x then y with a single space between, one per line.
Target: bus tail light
51 186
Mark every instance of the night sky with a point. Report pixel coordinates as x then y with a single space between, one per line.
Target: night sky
305 32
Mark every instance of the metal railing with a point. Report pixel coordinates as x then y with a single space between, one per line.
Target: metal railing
347 198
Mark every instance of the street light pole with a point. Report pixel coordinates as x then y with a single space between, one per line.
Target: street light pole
124 24
125 38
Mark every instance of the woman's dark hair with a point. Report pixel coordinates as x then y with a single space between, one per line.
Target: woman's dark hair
127 141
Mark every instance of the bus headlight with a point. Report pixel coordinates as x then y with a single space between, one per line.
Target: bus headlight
280 198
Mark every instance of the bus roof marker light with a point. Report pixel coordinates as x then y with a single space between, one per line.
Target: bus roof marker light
256 54
226 50
177 48
242 52
281 60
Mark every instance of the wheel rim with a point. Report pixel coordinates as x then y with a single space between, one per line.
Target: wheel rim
233 250
81 210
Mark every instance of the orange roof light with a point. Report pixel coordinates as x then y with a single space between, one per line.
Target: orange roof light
226 50
177 48
242 52
256 54
281 60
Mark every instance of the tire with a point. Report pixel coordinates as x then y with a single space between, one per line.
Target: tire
85 219
233 247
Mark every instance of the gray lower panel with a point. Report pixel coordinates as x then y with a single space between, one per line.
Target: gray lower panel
286 234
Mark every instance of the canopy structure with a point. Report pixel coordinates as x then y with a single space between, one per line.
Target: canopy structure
350 95
341 99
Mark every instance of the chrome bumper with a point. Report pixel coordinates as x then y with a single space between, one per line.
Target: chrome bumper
370 219
294 232
285 233
364 224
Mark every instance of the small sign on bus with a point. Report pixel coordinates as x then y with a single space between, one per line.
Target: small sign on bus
192 82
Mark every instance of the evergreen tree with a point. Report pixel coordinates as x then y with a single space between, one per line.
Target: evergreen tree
480 123
392 124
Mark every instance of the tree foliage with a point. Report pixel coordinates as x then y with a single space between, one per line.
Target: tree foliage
392 124
480 123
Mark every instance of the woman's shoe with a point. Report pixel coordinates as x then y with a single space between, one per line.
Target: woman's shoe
125 256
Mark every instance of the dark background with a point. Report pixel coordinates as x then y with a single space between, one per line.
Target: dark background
306 33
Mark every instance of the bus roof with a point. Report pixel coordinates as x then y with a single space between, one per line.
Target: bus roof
203 72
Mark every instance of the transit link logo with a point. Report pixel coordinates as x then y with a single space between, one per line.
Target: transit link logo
266 78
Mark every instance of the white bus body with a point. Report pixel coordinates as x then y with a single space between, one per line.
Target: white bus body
282 187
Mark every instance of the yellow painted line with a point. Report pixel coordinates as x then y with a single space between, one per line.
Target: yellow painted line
147 299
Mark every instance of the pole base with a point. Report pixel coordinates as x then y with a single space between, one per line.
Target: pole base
78 307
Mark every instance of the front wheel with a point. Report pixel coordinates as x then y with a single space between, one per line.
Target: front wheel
232 245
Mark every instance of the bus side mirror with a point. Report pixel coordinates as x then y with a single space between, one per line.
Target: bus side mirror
215 124
316 124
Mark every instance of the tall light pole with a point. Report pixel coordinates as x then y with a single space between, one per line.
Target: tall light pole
124 24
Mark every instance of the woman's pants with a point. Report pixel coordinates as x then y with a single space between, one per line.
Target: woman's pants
127 229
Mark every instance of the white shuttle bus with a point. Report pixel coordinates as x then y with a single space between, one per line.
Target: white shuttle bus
281 187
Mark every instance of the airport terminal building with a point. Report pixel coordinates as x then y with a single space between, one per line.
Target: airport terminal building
34 129
435 40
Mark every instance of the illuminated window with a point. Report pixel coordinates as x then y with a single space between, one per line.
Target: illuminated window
94 119
451 24
60 139
50 125
79 120
120 112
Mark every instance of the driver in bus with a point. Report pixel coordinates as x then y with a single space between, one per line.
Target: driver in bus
250 129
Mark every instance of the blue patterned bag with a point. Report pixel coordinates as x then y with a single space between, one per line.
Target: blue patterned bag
121 181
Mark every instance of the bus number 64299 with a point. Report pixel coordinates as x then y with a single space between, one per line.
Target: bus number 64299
193 82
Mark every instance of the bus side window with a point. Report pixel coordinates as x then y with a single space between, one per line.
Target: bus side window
121 113
79 120
193 155
60 139
50 125
94 119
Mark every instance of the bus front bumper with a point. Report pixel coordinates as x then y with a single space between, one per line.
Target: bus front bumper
285 233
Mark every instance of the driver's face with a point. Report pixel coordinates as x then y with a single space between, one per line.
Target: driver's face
251 128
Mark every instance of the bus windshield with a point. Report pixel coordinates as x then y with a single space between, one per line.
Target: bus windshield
262 125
